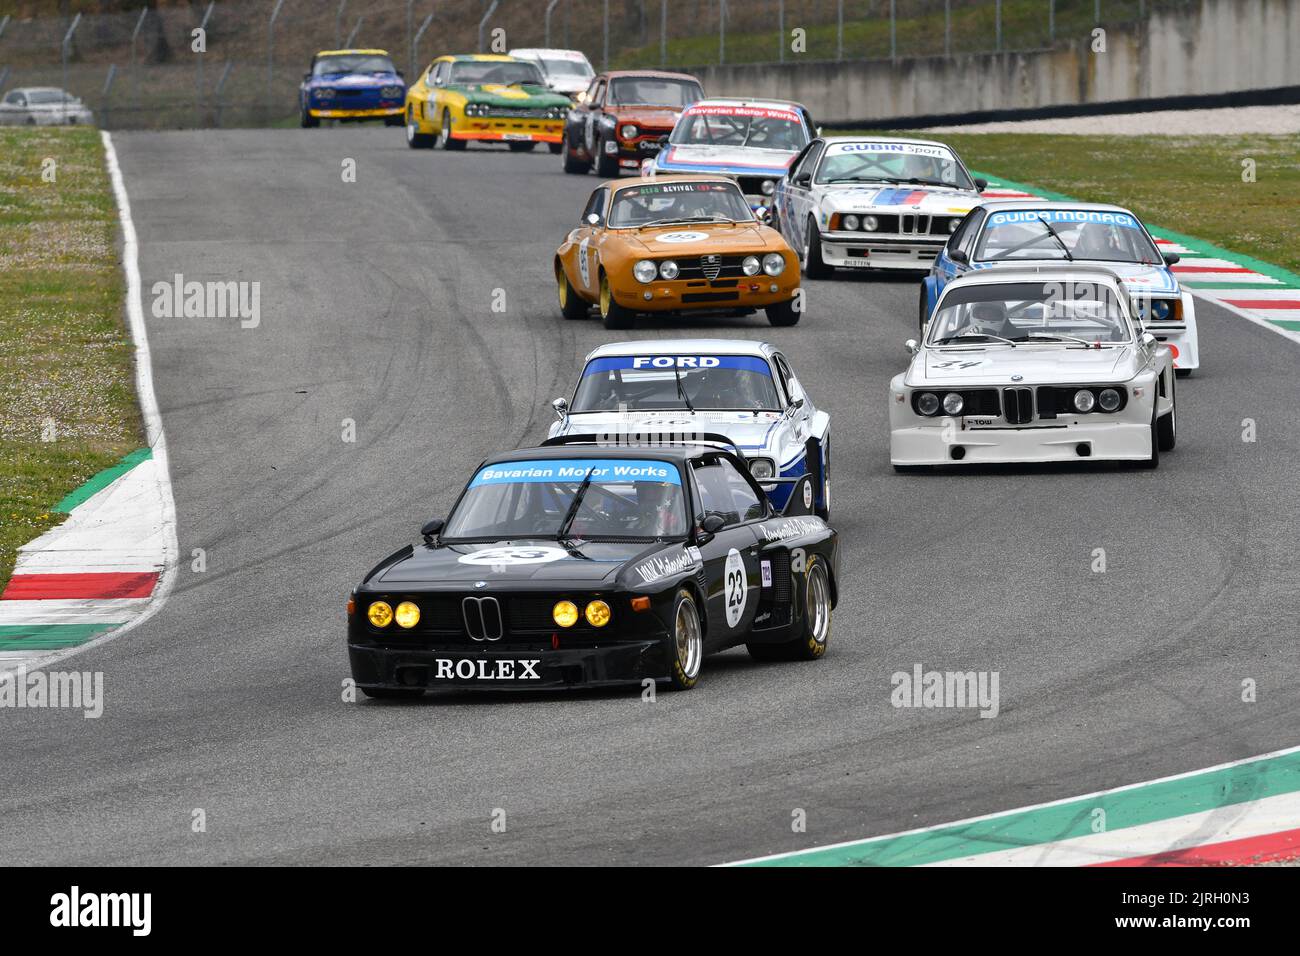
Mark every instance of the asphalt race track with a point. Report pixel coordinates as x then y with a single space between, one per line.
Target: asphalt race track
376 306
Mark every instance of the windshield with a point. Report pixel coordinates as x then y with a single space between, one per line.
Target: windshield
1066 234
614 498
647 91
502 72
46 97
755 127
668 202
675 383
912 163
353 63
1006 313
567 67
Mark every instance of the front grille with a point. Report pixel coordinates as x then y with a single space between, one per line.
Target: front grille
781 577
482 618
913 225
514 112
711 267
1018 405
753 185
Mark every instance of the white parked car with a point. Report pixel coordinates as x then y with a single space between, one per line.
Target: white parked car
752 141
873 203
1032 364
43 106
566 71
645 392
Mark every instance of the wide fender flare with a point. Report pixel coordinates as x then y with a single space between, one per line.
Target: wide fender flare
929 289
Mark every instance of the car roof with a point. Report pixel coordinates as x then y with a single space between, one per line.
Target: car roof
658 452
831 140
617 184
684 347
38 89
361 52
662 74
1015 205
549 51
479 57
745 101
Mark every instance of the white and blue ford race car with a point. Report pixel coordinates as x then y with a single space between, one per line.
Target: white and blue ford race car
1020 232
752 141
872 203
648 392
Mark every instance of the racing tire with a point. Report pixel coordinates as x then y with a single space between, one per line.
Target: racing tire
816 630
572 306
606 166
814 267
1154 460
444 134
414 138
1167 425
521 147
555 148
393 693
685 643
1183 372
782 314
308 121
913 469
612 314
576 167
394 121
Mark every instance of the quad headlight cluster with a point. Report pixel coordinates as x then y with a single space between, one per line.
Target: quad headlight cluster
932 403
476 109
852 223
1105 399
323 93
381 614
390 92
565 613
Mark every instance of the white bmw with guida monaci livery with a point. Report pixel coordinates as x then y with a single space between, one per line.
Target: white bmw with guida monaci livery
657 391
1033 364
873 203
752 141
1022 232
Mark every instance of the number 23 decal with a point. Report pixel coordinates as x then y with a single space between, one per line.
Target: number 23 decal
734 580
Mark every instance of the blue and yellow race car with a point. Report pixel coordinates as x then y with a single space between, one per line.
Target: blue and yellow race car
352 85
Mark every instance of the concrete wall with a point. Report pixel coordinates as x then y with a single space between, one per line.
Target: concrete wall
1220 46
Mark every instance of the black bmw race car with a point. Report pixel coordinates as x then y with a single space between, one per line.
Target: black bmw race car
579 565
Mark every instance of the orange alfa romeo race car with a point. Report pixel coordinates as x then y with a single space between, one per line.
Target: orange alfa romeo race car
675 244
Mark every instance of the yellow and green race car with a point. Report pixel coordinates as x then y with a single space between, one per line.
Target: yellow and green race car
484 97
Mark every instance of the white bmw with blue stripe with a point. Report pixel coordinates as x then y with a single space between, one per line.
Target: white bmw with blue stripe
1020 232
643 392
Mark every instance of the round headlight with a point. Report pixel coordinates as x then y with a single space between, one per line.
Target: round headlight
668 269
1160 309
953 224
761 468
774 263
927 403
325 94
597 613
1084 400
1108 399
851 222
388 92
870 223
768 187
628 131
645 271
952 403
407 615
565 613
380 614
751 265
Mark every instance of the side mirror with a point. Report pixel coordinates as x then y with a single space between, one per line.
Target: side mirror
1170 258
663 140
561 406
981 184
430 529
593 219
1149 340
912 346
763 214
710 525
956 255
803 179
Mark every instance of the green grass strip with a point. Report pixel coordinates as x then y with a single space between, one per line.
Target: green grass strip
1145 803
102 480
48 637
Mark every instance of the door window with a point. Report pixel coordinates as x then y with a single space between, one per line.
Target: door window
725 491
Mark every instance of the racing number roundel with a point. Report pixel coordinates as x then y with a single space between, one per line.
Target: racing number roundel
514 555
734 581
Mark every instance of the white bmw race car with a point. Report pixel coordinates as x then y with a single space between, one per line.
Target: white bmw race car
1033 364
873 203
652 391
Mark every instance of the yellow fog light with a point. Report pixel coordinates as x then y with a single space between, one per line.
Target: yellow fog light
565 613
597 613
380 614
407 614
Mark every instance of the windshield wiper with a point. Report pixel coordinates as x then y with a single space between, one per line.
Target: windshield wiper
1057 236
681 392
1055 336
573 508
673 220
974 335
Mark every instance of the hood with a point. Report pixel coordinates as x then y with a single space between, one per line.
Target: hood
358 81
527 95
733 160
695 239
928 200
539 561
1037 364
659 117
753 433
